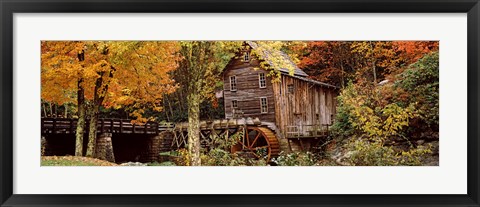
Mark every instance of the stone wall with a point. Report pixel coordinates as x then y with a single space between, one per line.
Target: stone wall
104 148
157 144
44 145
152 151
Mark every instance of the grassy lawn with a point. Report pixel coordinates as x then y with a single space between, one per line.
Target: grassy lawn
73 161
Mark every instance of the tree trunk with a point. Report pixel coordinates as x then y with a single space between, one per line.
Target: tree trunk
80 131
374 63
44 110
66 110
193 100
93 113
51 109
343 73
98 97
92 131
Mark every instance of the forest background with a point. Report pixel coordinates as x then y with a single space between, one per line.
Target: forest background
388 89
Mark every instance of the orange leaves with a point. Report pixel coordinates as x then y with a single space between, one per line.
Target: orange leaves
133 73
411 51
59 71
340 61
143 74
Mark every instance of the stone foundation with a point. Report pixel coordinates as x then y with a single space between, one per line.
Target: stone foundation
44 145
104 148
155 145
152 151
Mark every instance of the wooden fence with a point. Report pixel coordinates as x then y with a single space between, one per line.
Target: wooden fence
121 126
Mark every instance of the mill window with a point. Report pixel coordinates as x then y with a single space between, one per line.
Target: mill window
263 105
290 88
261 80
234 104
246 57
233 83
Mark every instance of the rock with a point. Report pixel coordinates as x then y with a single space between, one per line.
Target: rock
249 121
133 164
241 121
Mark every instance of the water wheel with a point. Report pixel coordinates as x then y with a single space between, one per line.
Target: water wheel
259 142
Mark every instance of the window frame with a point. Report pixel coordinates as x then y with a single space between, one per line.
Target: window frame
234 88
246 56
290 88
260 80
234 106
261 105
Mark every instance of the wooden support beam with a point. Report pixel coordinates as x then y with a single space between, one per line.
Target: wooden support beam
54 126
111 126
71 126
102 124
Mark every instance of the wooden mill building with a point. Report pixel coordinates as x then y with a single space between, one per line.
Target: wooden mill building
296 104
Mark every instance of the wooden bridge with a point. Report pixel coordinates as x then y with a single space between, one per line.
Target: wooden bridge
252 134
114 126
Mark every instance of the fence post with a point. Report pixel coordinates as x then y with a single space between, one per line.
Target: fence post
43 125
111 125
71 126
121 126
54 125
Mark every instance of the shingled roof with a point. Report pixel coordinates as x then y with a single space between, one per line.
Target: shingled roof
268 54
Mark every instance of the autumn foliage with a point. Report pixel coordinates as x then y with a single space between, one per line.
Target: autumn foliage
94 74
337 62
388 90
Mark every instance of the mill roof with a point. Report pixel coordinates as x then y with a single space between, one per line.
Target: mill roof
315 82
298 73
268 55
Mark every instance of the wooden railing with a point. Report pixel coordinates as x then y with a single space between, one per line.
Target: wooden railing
122 126
307 131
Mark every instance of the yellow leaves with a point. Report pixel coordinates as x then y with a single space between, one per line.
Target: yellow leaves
378 122
131 72
273 58
202 64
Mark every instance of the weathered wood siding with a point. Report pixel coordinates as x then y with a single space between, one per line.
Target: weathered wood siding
307 104
248 91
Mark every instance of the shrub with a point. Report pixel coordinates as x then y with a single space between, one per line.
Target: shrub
374 153
220 157
342 127
420 84
366 153
360 112
184 157
295 159
377 115
167 163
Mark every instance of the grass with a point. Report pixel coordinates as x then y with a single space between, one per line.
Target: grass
73 161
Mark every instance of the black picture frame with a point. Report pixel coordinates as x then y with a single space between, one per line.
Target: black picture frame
9 7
